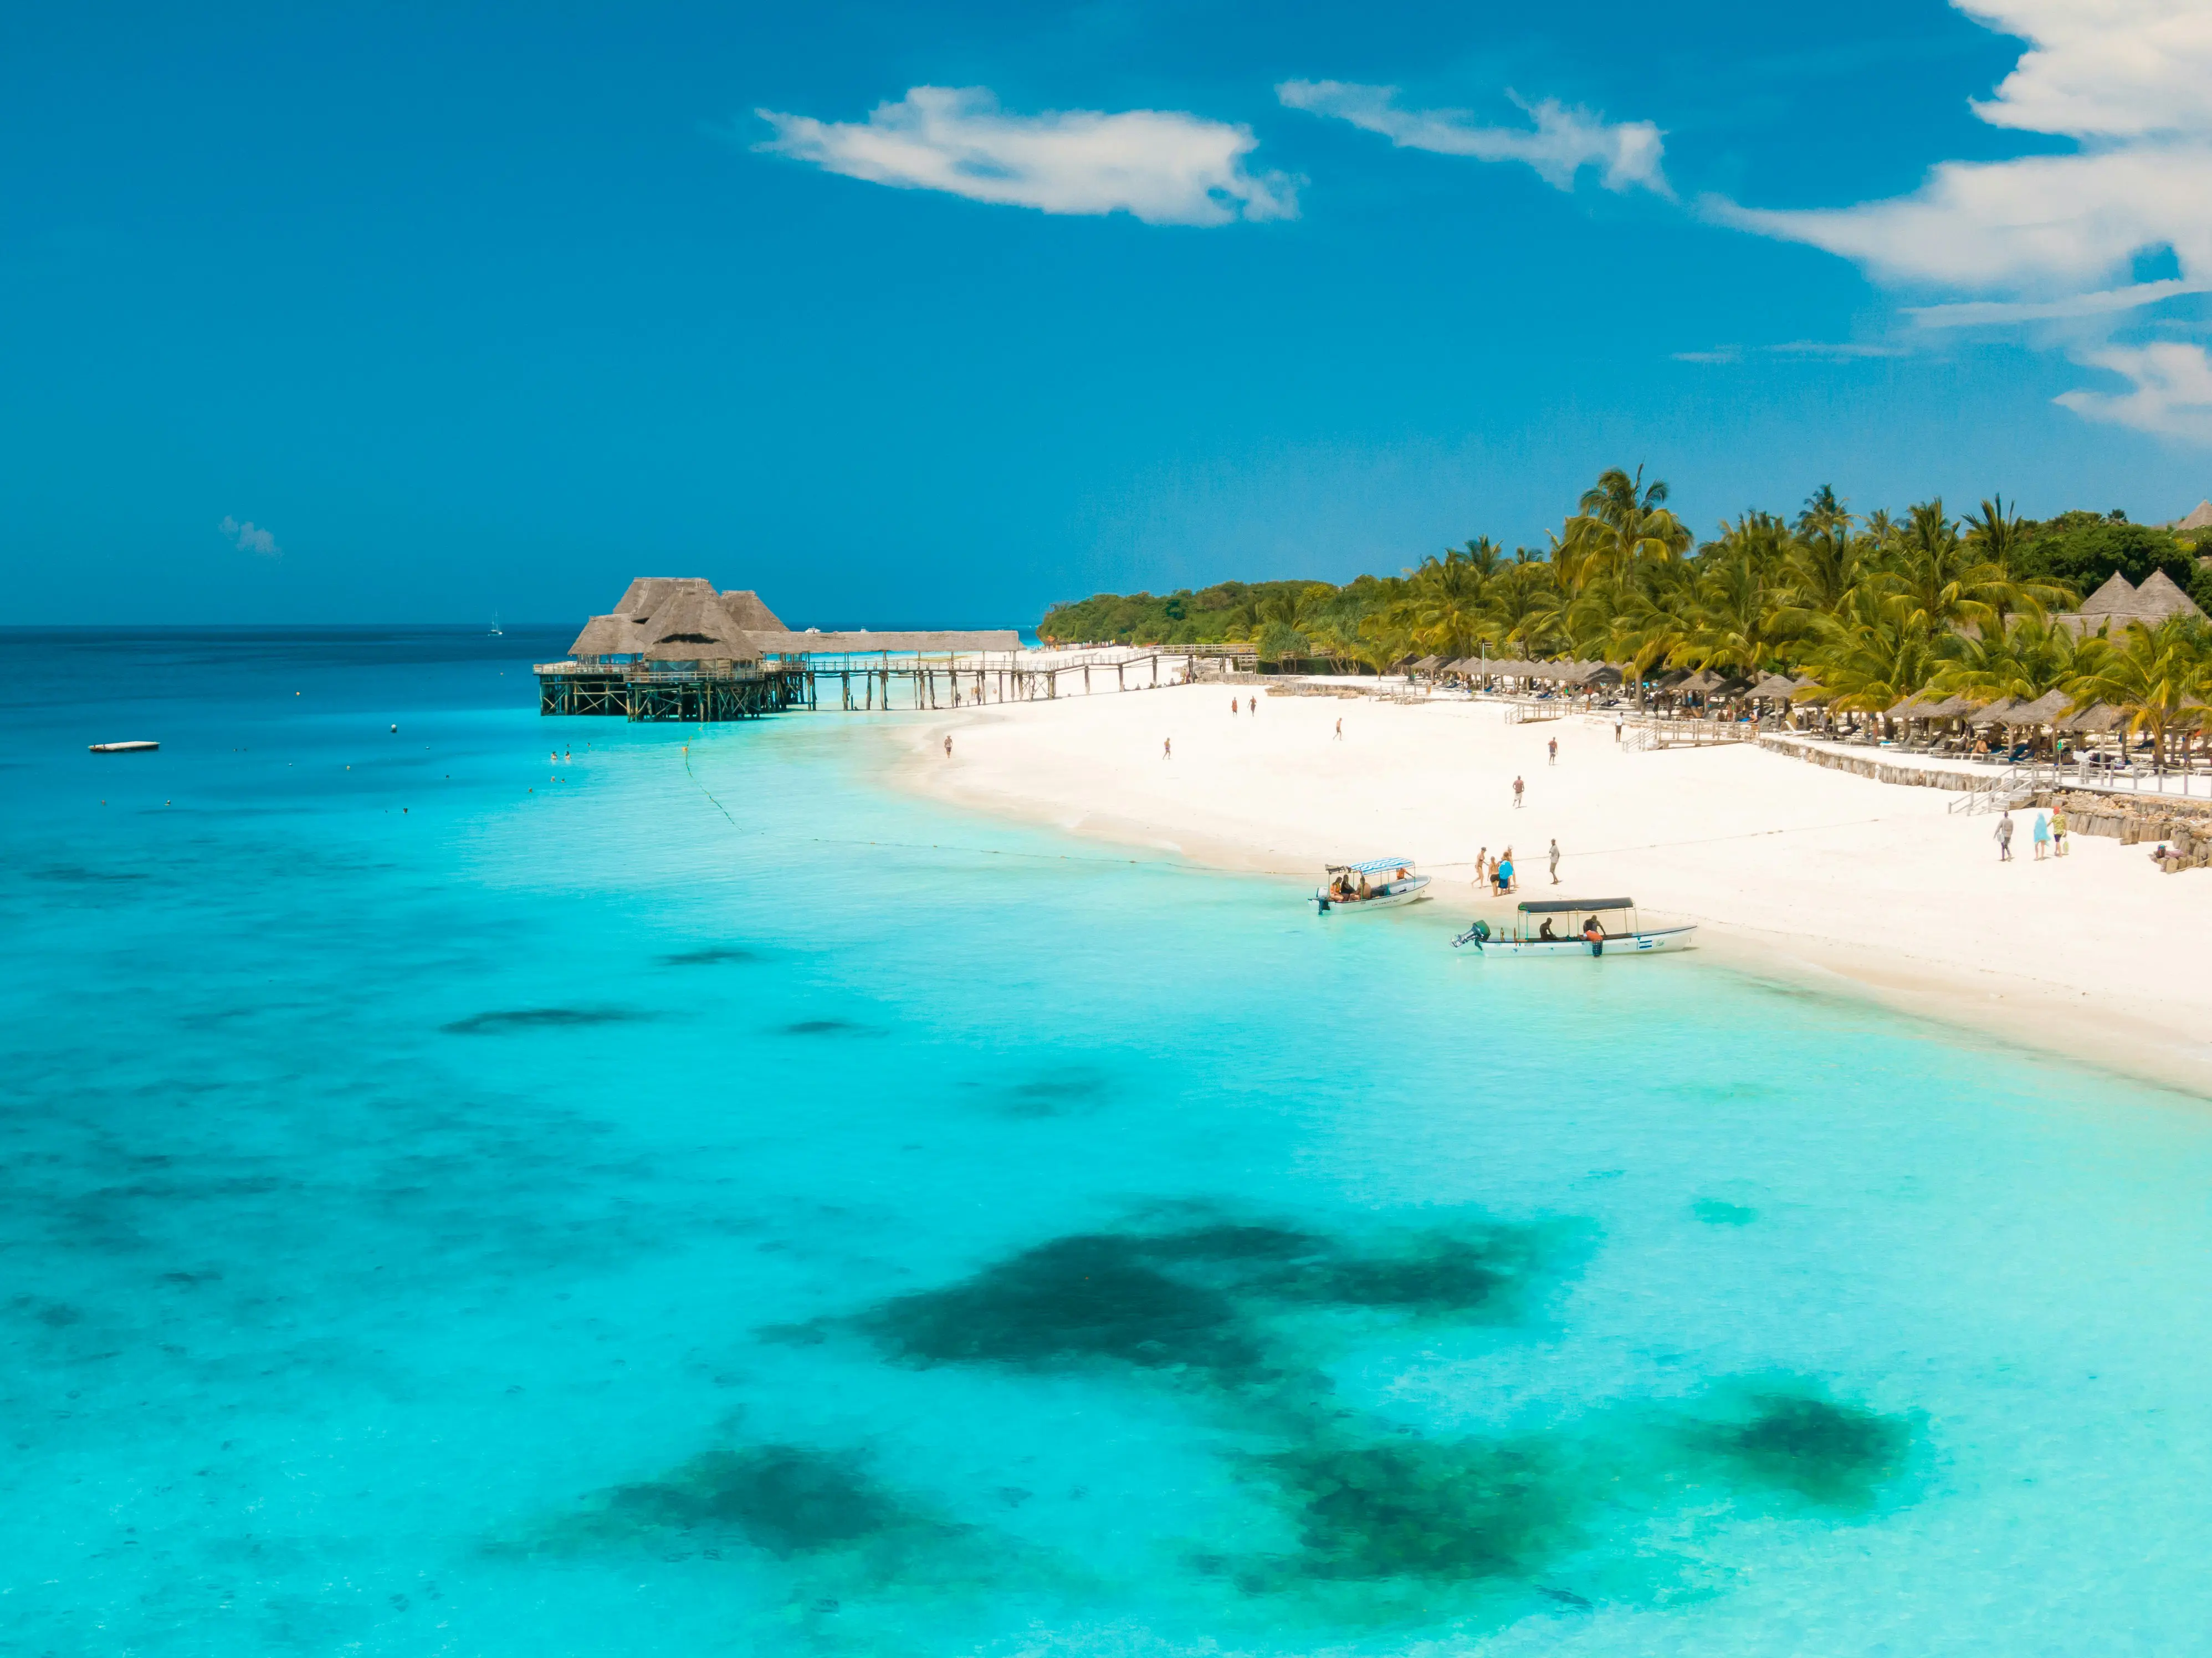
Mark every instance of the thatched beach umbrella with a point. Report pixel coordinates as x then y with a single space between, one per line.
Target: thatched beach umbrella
2095 720
2047 708
1774 688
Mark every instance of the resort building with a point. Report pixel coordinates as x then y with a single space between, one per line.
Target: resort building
2120 602
674 648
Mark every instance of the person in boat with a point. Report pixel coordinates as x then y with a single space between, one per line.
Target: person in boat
1594 935
1364 890
1545 931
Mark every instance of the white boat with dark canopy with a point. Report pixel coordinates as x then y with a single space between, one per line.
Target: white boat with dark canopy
1576 927
1378 883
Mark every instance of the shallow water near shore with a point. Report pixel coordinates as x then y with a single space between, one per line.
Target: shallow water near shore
700 1200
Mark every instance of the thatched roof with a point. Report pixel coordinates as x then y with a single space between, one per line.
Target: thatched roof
862 642
1774 688
1428 664
2094 720
2159 598
1950 707
2051 705
2116 598
1703 682
1919 706
745 610
1998 712
649 594
609 636
2199 519
693 627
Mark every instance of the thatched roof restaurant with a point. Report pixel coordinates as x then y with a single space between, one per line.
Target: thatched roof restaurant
682 619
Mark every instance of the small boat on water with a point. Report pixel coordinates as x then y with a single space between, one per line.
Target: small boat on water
1576 927
1378 883
123 748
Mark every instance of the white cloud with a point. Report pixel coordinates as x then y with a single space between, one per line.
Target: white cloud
2055 236
2103 69
2171 393
1979 313
2044 224
1161 167
1562 141
251 537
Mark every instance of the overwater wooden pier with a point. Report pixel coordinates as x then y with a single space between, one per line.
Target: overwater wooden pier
749 692
677 650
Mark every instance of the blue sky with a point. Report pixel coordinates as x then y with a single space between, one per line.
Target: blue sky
423 312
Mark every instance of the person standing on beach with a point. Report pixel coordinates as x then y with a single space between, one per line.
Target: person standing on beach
1517 787
1482 865
2058 831
1232 707
948 746
1616 728
1555 861
1554 747
2042 837
2002 836
1339 731
1251 705
1167 748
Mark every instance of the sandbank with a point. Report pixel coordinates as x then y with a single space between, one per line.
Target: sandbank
1791 870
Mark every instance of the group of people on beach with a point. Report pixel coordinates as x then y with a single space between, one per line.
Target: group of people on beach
1497 873
2048 832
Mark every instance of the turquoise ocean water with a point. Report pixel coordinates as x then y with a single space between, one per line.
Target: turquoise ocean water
713 1204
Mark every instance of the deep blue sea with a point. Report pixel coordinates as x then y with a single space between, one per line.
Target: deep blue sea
520 1187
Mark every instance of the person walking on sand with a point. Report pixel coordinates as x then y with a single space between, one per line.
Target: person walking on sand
2042 837
1616 728
2059 831
2002 836
1517 787
1232 707
1555 861
1339 731
1554 747
1482 865
948 746
1251 705
1167 748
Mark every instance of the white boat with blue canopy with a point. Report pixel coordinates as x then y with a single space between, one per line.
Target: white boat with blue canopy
1378 883
1576 927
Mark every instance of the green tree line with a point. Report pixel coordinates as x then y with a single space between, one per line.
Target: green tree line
1874 608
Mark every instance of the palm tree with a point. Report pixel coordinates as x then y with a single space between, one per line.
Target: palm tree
1442 606
1523 608
1824 514
2026 659
1622 521
1870 655
1940 583
1996 534
2161 677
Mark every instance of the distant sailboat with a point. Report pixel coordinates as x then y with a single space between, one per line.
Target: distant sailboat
497 632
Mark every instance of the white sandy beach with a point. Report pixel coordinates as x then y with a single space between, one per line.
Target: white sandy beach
1789 868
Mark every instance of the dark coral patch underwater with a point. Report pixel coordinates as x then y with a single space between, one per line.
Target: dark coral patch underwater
1205 1298
539 1018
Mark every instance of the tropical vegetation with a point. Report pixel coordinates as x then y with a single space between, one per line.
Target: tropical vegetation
1872 609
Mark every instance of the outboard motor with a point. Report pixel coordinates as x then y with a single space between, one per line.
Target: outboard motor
1478 935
